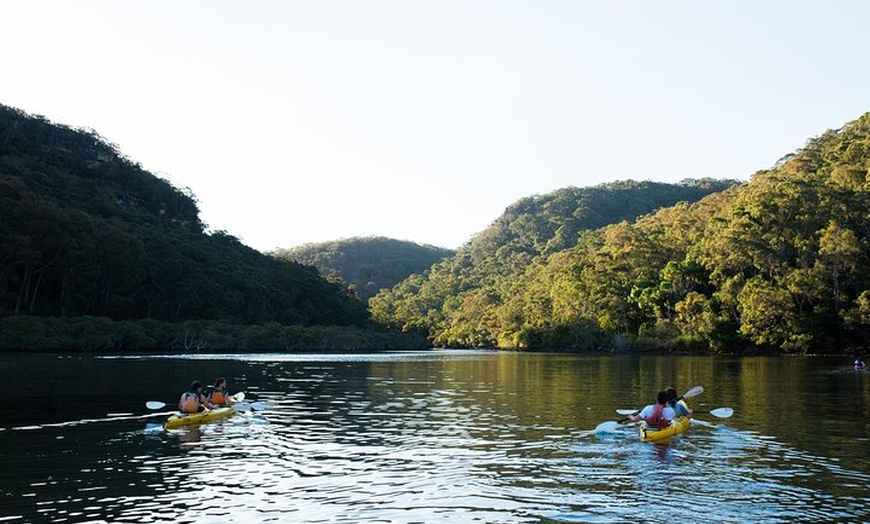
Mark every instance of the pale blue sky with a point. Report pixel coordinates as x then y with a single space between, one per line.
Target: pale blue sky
306 121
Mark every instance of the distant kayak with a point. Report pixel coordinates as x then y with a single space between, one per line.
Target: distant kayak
651 434
188 419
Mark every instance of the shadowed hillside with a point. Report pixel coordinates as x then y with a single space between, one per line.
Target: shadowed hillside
367 265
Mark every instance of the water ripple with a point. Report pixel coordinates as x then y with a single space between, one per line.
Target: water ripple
376 445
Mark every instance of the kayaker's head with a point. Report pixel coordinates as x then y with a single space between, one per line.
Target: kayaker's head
662 397
220 383
195 385
672 393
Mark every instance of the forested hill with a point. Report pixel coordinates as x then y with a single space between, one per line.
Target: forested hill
781 263
367 264
453 300
86 231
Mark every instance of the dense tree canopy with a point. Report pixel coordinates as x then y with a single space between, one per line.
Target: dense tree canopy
781 263
368 264
85 231
500 289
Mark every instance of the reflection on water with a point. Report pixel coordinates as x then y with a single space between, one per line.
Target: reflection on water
438 437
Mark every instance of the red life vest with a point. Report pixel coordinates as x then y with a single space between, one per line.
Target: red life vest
657 419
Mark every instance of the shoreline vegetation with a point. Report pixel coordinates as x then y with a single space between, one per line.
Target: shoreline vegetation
30 334
97 254
98 334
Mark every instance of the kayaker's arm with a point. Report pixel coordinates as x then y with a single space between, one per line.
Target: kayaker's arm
206 402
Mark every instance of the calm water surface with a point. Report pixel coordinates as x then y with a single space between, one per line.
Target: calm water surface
446 436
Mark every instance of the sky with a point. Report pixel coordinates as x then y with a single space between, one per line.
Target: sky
299 121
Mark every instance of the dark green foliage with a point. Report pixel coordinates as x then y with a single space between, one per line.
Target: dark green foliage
97 334
84 231
367 265
781 263
469 300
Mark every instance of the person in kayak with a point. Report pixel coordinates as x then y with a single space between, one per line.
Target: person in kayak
658 415
680 407
194 400
220 396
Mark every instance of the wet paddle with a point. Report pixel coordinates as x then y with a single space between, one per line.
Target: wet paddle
240 406
156 404
693 392
249 406
718 412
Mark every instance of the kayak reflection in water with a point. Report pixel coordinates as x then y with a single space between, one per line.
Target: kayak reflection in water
194 400
220 395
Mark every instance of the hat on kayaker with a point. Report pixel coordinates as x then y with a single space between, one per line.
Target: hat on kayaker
195 385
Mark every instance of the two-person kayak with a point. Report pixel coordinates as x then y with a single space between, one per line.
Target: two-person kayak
179 420
652 434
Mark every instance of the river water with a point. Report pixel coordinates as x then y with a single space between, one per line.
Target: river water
440 436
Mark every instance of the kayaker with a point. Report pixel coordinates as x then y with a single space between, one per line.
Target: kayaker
194 400
657 415
680 407
220 396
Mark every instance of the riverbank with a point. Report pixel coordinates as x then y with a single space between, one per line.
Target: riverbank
99 334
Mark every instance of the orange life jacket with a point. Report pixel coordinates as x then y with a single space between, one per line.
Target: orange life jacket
219 396
657 419
189 402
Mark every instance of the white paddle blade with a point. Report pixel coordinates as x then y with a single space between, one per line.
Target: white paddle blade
626 411
238 397
722 412
694 392
154 404
607 427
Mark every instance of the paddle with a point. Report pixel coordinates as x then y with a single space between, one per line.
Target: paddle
718 412
607 427
611 425
693 392
249 406
240 406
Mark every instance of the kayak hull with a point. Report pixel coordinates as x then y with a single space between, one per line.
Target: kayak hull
678 425
180 420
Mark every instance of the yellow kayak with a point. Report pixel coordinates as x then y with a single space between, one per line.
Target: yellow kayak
186 419
678 425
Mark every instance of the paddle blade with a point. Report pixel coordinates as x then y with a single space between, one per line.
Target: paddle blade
606 427
694 392
154 404
626 411
238 397
722 412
